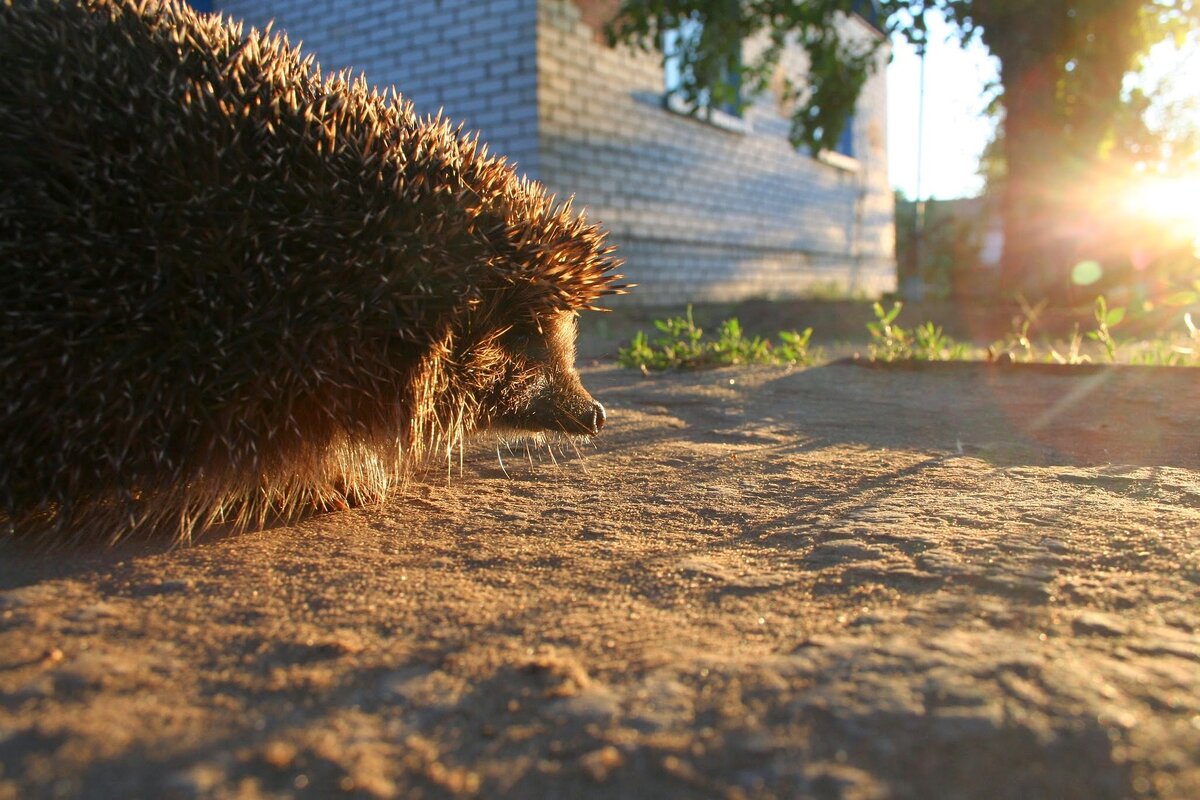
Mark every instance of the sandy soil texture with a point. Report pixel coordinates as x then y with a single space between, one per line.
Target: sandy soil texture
840 582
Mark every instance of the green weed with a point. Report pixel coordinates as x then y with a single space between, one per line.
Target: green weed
1073 355
930 343
889 341
1017 344
1106 319
682 346
926 342
1165 353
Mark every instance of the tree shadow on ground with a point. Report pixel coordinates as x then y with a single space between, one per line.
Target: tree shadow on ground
1008 415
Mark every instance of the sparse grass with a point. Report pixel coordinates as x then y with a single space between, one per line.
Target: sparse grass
1017 345
925 342
1106 319
682 346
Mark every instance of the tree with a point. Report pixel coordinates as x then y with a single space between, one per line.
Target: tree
713 71
1062 68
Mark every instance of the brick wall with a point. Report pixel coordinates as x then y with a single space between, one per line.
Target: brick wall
474 59
700 212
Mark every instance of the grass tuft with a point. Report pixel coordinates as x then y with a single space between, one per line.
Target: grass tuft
682 345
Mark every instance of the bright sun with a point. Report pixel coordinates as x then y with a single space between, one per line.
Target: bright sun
1173 202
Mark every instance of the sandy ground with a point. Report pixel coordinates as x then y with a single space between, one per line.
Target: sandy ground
835 582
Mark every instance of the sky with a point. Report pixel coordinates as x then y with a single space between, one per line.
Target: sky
956 127
1172 73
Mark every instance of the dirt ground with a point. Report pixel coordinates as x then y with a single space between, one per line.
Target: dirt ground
839 582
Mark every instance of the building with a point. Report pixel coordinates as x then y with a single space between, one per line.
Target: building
715 209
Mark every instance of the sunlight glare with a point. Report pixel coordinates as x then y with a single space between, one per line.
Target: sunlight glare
1170 201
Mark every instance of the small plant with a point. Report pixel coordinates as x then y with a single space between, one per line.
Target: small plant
734 347
639 354
792 349
682 346
930 343
1163 353
1106 318
889 341
1016 344
1160 353
926 342
1072 355
681 342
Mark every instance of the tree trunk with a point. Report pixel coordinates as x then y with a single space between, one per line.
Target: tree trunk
1035 251
1056 120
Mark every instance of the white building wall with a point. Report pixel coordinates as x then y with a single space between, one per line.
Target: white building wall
473 58
700 212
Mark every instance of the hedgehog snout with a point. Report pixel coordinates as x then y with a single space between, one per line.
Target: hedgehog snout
586 420
573 413
598 417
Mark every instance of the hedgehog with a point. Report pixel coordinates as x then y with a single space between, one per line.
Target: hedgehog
235 291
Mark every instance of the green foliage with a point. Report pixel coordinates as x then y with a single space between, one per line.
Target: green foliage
1017 345
1073 354
712 67
932 344
682 346
926 342
793 348
889 341
1167 353
1089 45
1106 318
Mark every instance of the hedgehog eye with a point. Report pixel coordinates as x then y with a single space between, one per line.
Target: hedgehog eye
526 342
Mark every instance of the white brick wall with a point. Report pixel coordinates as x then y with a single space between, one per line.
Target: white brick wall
473 59
698 212
702 213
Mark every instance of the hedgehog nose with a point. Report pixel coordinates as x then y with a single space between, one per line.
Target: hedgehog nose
598 417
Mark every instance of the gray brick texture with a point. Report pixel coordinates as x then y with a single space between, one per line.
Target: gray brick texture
473 59
700 212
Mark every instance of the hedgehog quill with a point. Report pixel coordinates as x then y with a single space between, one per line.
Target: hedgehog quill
234 290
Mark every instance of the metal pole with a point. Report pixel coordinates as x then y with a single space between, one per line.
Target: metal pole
919 202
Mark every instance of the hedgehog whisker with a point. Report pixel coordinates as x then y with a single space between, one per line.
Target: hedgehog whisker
579 456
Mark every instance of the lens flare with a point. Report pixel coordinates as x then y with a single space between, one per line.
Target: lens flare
1173 202
1085 273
